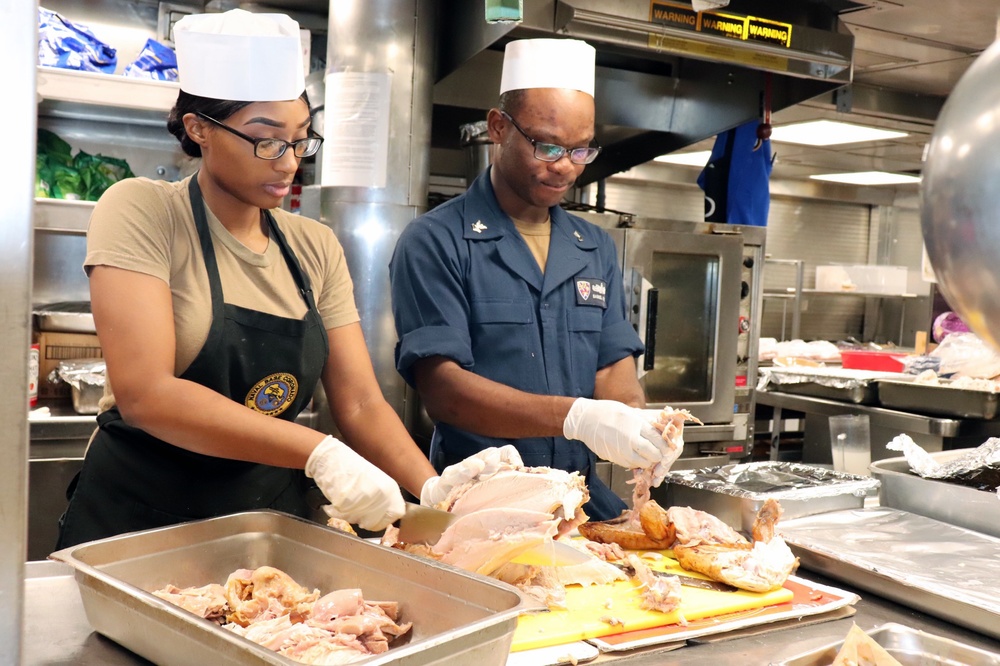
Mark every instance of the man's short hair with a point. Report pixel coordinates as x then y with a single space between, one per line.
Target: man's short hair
510 102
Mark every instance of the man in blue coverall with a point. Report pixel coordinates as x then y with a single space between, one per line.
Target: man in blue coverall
510 312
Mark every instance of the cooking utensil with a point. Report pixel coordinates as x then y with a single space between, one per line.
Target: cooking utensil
422 524
688 581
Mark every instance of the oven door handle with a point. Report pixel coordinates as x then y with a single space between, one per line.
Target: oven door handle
649 356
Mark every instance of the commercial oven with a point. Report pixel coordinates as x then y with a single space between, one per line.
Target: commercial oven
693 291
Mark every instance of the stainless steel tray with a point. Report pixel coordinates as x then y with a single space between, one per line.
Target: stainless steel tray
866 394
832 383
939 400
950 503
66 317
945 571
910 647
457 617
737 504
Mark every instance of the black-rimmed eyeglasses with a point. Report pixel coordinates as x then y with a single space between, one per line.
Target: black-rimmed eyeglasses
272 149
550 152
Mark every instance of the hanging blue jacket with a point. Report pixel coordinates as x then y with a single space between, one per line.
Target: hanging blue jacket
735 180
465 286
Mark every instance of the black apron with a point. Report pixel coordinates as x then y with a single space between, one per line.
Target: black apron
131 480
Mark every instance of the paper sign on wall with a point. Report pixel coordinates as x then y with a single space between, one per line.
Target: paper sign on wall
356 150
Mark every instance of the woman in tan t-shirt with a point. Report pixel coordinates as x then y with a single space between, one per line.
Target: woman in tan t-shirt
218 316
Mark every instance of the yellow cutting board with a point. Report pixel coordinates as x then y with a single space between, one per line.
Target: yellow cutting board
585 606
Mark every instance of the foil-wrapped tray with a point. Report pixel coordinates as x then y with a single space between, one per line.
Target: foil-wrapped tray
942 400
458 617
942 499
847 385
945 571
735 493
910 647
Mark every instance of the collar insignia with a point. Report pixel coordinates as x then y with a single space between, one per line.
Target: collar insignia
479 227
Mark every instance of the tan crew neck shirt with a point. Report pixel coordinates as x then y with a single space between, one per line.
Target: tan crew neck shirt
537 236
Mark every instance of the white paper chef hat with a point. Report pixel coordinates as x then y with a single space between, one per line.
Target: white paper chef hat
548 63
240 56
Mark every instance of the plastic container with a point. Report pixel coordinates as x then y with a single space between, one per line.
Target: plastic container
850 443
863 359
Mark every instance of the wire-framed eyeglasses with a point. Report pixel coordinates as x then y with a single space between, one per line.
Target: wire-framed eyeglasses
272 149
550 152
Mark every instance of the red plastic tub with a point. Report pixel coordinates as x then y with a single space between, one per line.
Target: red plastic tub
872 360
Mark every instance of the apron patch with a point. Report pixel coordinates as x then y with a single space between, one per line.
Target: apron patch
273 394
591 291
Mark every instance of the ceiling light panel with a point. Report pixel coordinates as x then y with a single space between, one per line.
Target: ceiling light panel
868 178
699 158
830 133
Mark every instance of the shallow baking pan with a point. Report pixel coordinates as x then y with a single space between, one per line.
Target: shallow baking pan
910 647
458 617
940 400
735 493
845 385
65 317
950 503
924 564
862 394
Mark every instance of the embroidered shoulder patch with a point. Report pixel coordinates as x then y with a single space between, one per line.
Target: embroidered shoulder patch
591 291
273 394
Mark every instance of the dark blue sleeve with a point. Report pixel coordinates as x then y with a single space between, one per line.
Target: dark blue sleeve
429 305
618 338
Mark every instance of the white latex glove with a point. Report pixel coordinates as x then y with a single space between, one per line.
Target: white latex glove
359 492
484 464
615 432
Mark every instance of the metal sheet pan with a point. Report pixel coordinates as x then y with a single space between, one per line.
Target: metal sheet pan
457 617
945 571
847 385
66 317
862 394
910 647
940 400
950 503
735 493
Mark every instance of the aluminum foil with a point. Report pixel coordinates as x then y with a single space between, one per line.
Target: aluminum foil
905 550
780 480
78 373
838 378
978 467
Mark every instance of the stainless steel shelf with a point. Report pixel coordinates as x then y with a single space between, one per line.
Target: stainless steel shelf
867 294
62 215
87 95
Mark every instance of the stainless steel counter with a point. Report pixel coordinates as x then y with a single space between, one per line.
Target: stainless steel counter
933 433
57 633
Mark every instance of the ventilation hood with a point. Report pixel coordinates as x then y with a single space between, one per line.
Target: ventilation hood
667 77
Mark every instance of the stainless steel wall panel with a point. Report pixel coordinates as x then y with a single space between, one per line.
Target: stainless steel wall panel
18 52
379 36
818 232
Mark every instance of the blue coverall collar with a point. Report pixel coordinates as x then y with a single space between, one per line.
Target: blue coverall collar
485 220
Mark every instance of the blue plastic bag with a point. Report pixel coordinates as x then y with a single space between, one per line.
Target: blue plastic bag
155 61
63 44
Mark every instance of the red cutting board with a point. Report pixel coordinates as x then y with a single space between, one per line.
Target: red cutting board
587 605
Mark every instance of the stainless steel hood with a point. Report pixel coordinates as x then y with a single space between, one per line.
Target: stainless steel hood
666 76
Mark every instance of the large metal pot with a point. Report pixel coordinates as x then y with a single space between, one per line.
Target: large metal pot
961 197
